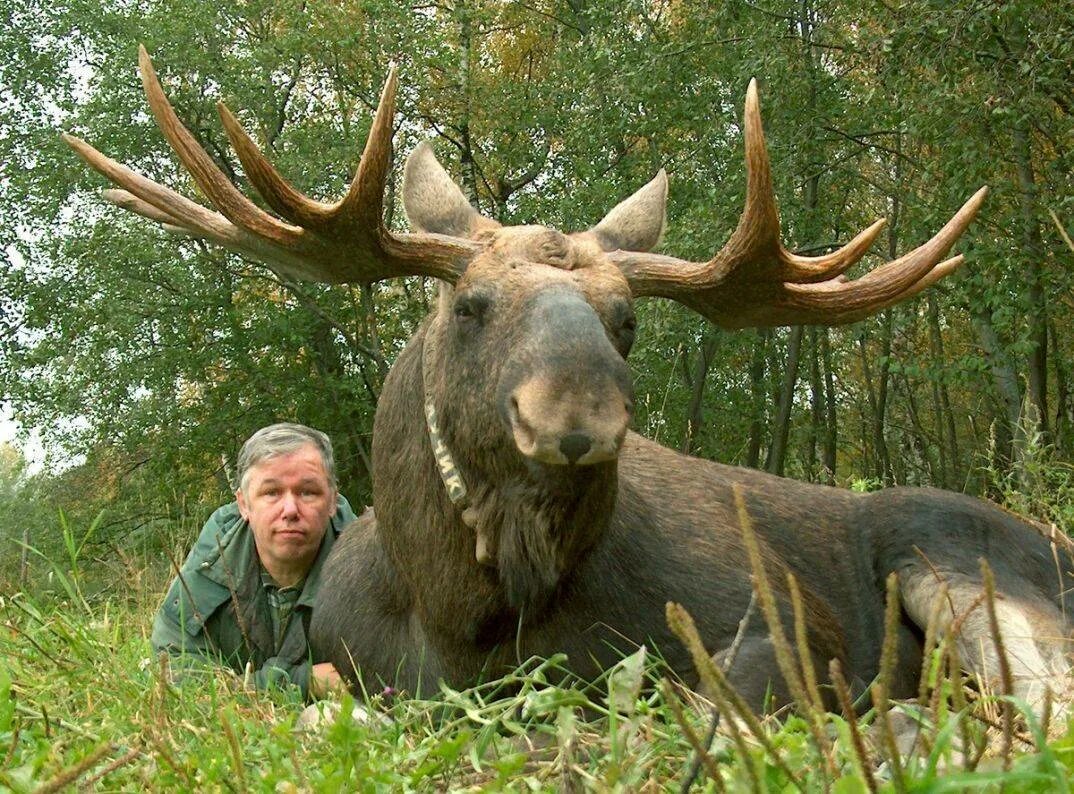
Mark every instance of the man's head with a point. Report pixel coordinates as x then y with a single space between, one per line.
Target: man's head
287 493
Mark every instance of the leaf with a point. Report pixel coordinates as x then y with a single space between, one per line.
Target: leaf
624 682
7 701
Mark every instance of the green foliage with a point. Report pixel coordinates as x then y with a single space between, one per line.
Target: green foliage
1040 485
148 359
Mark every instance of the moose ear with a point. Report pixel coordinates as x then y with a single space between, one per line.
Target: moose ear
636 223
432 200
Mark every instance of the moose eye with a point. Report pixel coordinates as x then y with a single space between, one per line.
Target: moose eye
625 326
471 308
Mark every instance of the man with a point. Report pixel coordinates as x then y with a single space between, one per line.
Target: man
244 596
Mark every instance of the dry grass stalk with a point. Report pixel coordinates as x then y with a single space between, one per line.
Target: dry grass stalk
29 713
882 687
726 697
683 625
961 705
726 664
69 775
177 569
163 676
61 663
857 742
930 688
770 610
932 638
236 750
233 590
805 656
299 774
111 767
164 752
1026 738
814 709
740 633
569 780
1006 679
1046 713
793 675
700 750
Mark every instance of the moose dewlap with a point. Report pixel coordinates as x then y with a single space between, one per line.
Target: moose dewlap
516 513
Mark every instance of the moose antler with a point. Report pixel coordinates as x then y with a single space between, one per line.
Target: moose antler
341 242
754 281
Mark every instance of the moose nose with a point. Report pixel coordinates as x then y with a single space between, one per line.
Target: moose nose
574 445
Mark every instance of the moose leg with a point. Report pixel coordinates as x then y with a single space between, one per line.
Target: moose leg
1031 628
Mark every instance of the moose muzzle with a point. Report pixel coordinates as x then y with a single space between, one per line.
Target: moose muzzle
566 393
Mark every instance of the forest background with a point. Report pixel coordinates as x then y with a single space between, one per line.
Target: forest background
143 361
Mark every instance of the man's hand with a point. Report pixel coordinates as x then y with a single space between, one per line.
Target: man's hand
325 680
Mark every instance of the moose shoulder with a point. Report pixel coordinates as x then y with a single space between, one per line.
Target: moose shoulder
517 515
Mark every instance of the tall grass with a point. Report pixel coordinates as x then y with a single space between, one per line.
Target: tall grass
84 704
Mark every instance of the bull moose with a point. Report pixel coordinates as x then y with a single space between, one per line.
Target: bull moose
517 514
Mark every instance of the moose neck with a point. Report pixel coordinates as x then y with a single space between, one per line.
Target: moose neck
535 522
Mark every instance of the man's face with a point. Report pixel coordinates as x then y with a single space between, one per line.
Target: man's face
288 502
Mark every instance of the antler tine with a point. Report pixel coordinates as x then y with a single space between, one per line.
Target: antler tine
758 226
178 209
755 243
130 202
233 204
178 213
899 279
364 203
364 199
754 281
277 191
807 269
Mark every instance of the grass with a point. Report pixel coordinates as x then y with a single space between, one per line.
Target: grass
84 705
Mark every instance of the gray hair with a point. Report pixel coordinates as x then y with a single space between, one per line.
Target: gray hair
282 439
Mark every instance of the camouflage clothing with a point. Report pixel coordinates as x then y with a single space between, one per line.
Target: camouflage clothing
218 610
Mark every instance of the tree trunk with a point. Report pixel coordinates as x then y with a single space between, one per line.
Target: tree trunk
697 390
831 428
918 437
780 434
758 394
937 418
870 455
1033 248
816 404
878 399
466 157
1008 443
1064 410
947 419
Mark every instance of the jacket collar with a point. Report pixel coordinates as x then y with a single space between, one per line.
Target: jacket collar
228 563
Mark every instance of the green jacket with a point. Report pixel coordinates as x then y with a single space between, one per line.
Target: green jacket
217 611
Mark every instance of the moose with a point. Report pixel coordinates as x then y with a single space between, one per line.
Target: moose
517 515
